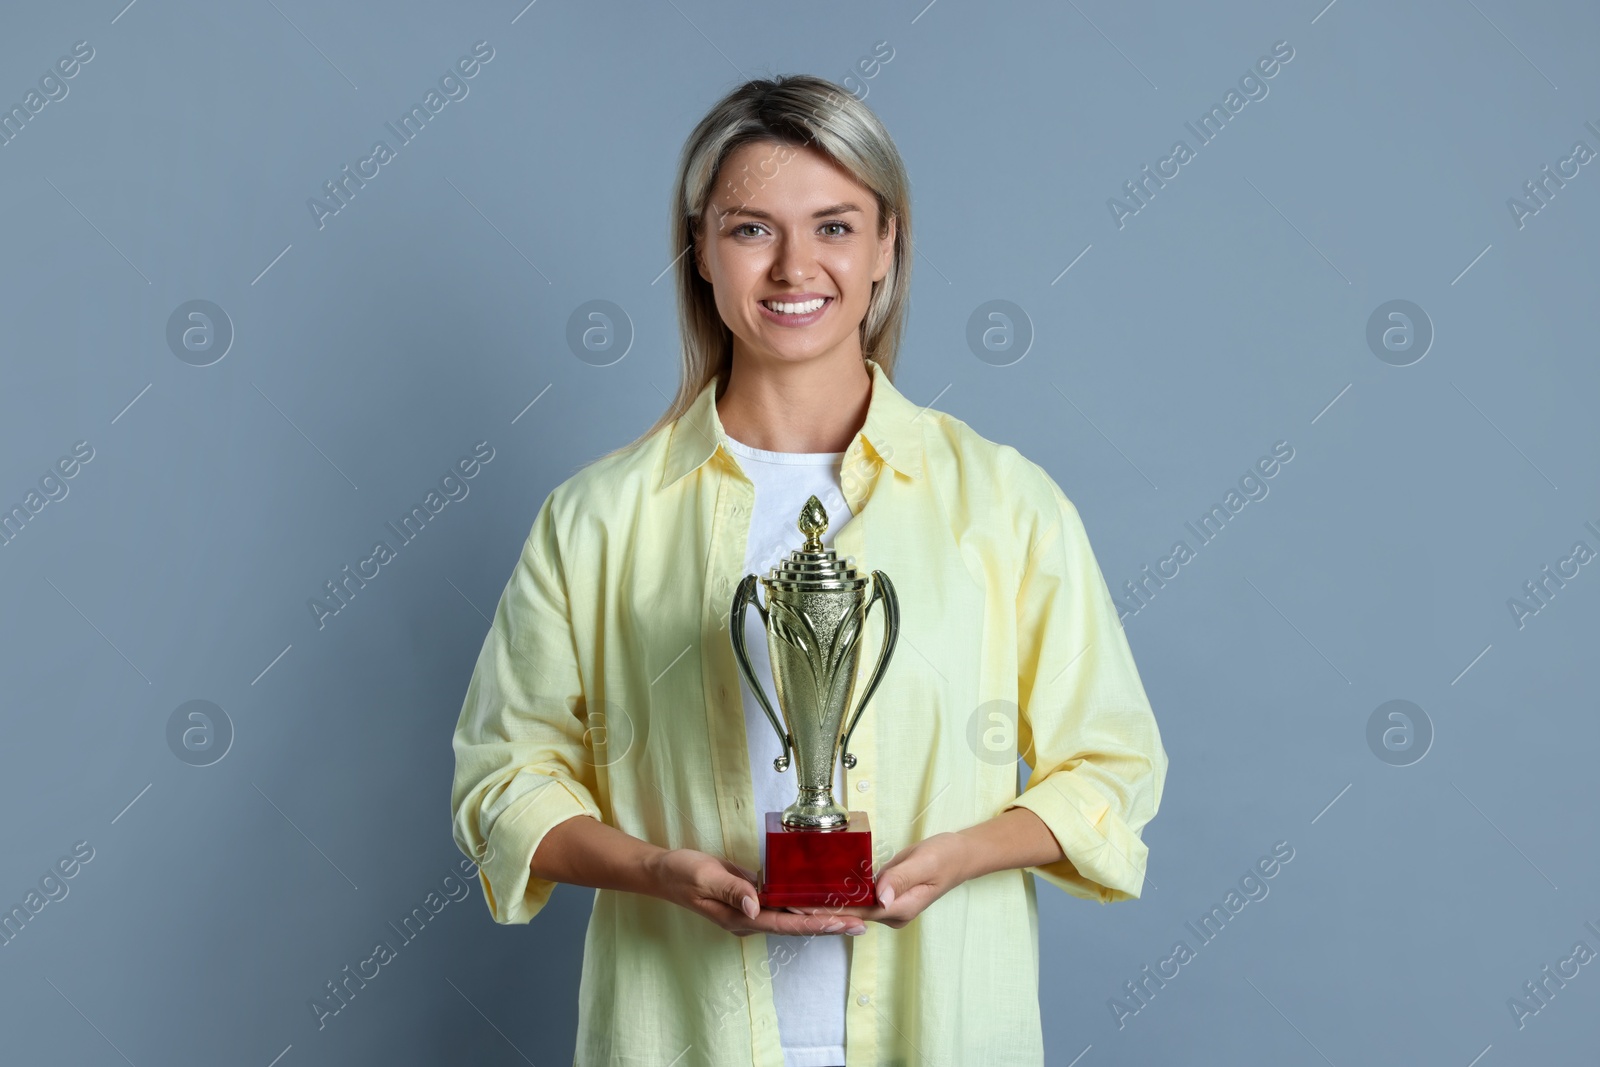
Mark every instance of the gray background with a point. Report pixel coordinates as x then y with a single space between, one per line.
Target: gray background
370 354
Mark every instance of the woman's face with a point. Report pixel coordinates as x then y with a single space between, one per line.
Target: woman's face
784 224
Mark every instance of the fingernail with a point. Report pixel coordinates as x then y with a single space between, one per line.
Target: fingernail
856 931
833 928
887 896
751 908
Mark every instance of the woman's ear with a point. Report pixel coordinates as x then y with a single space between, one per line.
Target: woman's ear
885 251
699 253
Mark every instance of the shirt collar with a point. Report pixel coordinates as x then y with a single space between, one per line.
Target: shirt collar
888 432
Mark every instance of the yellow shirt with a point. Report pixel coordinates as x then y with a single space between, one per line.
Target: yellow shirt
607 686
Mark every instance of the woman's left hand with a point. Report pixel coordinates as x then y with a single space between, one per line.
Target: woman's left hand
916 877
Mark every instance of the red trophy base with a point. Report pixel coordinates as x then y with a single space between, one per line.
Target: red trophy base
818 868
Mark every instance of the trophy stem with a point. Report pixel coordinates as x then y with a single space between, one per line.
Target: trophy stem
816 810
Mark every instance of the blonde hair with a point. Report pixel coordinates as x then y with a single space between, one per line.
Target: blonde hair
798 110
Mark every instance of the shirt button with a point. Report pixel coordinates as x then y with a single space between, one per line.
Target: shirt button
863 785
863 1000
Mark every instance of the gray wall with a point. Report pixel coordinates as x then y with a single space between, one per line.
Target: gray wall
1440 860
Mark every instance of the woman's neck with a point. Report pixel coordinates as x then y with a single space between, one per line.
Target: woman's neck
817 405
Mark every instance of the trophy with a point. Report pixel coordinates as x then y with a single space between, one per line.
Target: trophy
818 853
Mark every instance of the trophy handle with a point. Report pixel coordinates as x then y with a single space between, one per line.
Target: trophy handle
743 597
882 589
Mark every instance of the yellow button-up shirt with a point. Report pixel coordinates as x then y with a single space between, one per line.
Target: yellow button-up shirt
607 686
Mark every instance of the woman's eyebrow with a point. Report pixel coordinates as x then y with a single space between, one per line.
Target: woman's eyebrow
755 213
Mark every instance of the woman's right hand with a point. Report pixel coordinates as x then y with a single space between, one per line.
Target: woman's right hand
725 893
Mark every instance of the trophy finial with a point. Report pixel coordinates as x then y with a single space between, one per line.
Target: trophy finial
813 521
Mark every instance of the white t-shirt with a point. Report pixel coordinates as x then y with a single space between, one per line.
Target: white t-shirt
809 972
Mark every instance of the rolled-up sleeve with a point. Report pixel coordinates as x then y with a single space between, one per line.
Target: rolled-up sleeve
1084 725
522 765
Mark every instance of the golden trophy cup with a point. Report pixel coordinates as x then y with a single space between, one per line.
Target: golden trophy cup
818 853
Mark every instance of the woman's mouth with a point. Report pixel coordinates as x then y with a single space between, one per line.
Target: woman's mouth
795 313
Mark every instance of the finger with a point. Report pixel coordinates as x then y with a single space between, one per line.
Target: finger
900 858
733 920
896 883
778 922
855 911
792 921
736 922
832 915
737 893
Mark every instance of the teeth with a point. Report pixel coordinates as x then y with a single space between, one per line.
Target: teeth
795 309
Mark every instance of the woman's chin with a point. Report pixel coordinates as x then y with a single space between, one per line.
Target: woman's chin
793 349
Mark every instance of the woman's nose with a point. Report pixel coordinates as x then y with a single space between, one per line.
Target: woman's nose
794 263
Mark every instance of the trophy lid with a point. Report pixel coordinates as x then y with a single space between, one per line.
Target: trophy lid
811 567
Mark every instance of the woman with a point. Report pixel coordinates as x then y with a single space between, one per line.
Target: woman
608 740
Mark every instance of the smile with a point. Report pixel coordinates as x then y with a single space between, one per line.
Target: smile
802 313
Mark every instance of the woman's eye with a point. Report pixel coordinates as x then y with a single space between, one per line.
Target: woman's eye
843 228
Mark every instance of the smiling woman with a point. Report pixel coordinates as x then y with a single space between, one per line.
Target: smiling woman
758 259
608 738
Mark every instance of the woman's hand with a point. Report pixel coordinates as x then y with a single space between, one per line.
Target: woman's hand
725 893
917 876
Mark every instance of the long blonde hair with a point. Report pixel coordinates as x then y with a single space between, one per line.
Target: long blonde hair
798 110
